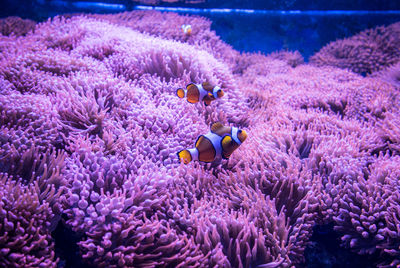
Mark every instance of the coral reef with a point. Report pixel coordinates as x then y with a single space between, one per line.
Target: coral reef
390 75
169 26
292 58
369 51
16 26
90 126
26 220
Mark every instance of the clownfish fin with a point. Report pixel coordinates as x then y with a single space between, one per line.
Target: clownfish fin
226 141
207 86
184 156
226 144
216 162
210 94
216 126
207 102
180 92
225 155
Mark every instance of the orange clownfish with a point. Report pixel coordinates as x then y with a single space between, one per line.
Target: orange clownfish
187 29
219 143
200 92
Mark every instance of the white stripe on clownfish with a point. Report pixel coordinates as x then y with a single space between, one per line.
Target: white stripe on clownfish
215 91
202 91
185 91
234 135
194 153
215 141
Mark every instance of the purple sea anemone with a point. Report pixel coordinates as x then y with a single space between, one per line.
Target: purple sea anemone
90 125
367 52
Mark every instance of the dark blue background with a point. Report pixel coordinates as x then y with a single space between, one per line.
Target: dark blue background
266 33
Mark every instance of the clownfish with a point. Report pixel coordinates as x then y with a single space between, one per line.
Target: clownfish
219 143
200 92
187 29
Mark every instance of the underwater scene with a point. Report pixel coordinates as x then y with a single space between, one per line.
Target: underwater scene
173 133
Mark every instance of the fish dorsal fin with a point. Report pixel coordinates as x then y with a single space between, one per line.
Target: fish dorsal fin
227 147
207 86
216 126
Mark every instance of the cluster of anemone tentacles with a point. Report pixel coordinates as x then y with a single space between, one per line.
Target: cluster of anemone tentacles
90 126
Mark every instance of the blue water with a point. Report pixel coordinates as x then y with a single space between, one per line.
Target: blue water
273 30
247 29
306 32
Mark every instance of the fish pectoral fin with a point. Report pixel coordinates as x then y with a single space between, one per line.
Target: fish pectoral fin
227 148
184 156
216 162
226 155
226 143
207 102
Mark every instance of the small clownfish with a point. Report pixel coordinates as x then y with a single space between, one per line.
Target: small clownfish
200 92
219 143
187 29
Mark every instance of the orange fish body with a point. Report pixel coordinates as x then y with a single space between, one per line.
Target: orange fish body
186 29
217 144
200 92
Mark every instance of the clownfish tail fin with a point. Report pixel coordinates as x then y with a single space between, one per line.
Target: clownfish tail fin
180 92
184 156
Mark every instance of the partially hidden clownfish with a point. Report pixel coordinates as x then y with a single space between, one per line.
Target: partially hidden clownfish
187 29
219 143
200 92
